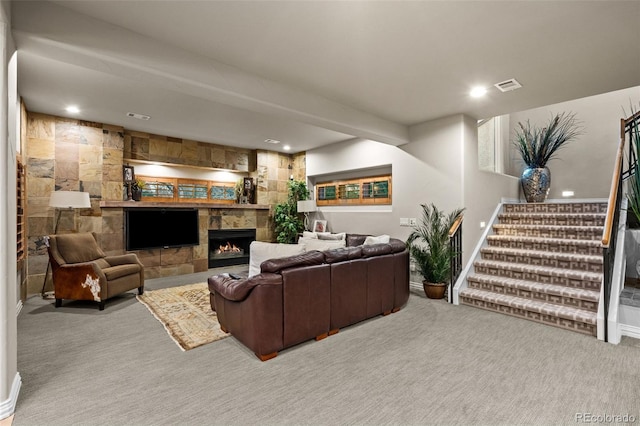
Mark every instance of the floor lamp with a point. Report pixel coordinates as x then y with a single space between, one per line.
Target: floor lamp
306 207
64 200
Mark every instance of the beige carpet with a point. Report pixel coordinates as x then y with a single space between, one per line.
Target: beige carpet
185 313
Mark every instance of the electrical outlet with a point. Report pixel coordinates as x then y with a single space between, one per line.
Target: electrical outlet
412 221
482 225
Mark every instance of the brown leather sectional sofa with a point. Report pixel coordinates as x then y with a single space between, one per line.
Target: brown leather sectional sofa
311 295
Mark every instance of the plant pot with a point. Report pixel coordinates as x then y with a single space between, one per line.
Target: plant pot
434 290
536 182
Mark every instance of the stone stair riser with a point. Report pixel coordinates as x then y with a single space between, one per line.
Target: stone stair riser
570 221
542 261
567 234
556 208
573 325
550 246
538 277
536 295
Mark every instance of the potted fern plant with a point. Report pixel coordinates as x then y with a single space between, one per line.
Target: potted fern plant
429 247
538 145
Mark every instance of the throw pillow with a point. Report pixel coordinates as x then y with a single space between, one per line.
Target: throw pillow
321 245
260 251
307 234
381 239
329 236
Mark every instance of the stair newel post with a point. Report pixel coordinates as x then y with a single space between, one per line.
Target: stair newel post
455 242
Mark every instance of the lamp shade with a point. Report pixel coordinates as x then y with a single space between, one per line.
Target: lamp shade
307 206
69 200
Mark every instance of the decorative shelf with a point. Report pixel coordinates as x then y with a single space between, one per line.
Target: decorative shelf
204 205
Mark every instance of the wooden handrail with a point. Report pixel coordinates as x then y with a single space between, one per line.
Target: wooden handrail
455 226
615 180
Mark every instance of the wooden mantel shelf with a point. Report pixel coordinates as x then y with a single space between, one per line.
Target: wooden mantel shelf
147 204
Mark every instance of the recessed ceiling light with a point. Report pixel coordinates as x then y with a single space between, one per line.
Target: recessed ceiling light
72 109
272 141
286 147
478 92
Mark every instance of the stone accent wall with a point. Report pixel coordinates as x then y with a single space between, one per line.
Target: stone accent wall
66 154
71 155
165 149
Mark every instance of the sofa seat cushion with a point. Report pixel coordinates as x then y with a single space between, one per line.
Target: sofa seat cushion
115 272
260 251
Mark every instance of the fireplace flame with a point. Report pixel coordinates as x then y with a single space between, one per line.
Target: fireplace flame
228 248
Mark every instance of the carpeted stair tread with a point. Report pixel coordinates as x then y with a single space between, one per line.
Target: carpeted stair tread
550 231
586 207
524 215
558 290
571 219
562 241
577 261
546 254
550 309
541 270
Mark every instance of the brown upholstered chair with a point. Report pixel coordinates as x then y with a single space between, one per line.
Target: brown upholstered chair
81 270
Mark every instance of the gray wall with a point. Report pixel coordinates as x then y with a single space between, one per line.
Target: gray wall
586 164
439 166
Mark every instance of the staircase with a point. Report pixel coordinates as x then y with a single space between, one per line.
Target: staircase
543 262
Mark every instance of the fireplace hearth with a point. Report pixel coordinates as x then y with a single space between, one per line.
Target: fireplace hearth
229 246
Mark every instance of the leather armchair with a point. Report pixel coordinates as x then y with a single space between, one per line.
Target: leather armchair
81 270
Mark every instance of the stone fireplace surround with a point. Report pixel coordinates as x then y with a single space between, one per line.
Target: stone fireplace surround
187 260
69 154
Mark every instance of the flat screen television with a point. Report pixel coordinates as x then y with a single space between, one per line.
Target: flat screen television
148 228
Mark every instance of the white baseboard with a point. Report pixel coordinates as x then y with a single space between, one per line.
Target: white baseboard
629 330
8 407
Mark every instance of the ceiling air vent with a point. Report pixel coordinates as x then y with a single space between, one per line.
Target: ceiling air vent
138 116
272 141
508 85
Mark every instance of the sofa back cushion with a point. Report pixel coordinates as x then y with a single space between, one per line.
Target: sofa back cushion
260 251
342 254
372 250
309 258
355 239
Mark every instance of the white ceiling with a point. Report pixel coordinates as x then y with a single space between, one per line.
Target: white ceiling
311 73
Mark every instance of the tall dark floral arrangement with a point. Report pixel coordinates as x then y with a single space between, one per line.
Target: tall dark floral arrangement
538 145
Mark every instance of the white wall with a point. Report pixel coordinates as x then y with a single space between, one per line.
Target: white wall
586 164
439 166
424 171
483 191
9 377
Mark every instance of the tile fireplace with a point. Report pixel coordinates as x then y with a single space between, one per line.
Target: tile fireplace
229 246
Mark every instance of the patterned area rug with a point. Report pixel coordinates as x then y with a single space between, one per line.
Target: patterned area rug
185 313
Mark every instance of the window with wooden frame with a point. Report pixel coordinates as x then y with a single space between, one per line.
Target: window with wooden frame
179 190
361 191
20 210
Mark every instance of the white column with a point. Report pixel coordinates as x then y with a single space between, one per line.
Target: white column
9 377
